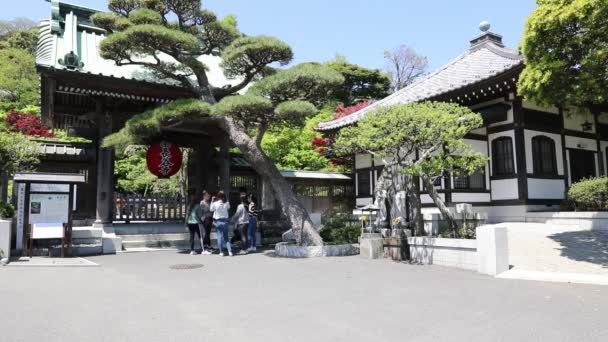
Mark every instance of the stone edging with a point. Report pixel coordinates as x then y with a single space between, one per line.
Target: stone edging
289 250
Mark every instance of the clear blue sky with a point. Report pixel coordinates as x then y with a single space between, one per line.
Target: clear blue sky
359 29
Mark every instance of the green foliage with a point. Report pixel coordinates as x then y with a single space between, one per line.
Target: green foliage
290 148
294 113
17 153
7 211
311 82
248 55
248 109
110 21
62 135
142 16
144 40
19 33
566 49
18 79
145 127
132 176
590 194
339 228
435 130
359 83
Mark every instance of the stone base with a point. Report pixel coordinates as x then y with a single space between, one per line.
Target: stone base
289 250
371 246
111 245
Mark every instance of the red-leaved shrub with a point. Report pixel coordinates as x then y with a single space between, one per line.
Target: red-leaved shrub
319 142
28 124
342 111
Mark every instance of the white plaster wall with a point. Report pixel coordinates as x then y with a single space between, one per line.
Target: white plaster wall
505 189
510 134
363 161
603 118
546 188
426 199
574 118
534 106
581 143
482 131
361 202
528 135
458 253
470 197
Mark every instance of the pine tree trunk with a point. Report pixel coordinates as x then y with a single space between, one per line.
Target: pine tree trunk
445 212
303 228
415 206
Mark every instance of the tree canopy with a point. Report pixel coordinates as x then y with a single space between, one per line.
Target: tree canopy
18 79
566 53
19 33
428 144
404 66
167 37
359 83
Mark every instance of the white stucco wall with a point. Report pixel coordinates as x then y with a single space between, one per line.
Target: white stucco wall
363 161
581 143
533 106
470 197
528 135
546 188
573 120
505 189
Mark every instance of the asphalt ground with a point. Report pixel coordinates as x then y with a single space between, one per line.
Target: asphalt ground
138 297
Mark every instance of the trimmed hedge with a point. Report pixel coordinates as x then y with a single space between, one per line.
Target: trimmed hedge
590 194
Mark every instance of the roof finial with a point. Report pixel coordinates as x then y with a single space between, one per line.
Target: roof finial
484 26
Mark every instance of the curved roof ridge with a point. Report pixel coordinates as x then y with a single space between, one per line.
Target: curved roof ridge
474 65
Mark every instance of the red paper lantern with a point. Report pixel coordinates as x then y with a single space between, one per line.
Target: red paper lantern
164 159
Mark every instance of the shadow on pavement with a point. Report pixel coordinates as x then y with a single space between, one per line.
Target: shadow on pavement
588 246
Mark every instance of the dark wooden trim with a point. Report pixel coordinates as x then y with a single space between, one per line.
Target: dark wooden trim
579 134
564 153
541 176
501 128
503 177
520 147
548 201
469 191
508 202
475 136
543 129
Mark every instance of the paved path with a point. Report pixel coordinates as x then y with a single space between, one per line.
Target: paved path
554 248
137 297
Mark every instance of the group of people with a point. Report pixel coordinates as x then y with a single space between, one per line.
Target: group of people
214 211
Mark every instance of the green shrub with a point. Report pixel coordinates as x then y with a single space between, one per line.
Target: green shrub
341 236
6 210
339 227
590 194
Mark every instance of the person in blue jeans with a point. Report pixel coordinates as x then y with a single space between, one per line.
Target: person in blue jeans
220 207
254 212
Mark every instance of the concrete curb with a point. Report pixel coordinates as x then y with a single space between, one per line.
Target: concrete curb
556 277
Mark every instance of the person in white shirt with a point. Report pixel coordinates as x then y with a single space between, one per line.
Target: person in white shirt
241 220
220 207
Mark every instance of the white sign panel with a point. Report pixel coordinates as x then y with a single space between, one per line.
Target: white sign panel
47 230
50 188
20 215
47 208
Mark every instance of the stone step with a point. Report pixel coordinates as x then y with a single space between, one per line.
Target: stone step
77 250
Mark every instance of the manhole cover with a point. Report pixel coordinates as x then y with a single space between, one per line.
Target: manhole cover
185 266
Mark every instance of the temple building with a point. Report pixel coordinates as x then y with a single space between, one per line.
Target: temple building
91 97
535 153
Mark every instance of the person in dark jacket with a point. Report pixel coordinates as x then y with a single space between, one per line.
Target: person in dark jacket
193 220
254 212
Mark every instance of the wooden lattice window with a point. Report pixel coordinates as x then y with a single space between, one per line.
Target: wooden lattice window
502 157
543 155
363 183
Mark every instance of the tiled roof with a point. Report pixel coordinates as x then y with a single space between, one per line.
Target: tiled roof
80 36
481 62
